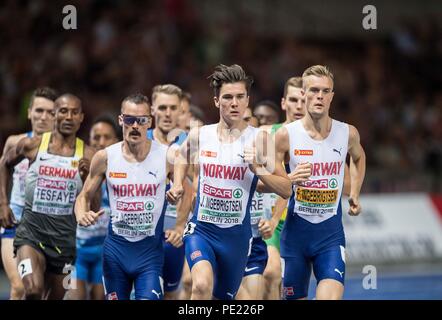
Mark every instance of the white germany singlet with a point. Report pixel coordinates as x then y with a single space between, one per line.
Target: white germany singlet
53 181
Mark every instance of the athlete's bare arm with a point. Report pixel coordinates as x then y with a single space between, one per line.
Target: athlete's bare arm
272 174
174 236
184 206
85 216
83 168
85 162
347 181
280 206
188 154
261 187
16 149
357 169
11 144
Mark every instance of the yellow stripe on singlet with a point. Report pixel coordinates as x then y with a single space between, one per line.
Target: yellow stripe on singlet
46 137
273 130
284 214
44 144
79 148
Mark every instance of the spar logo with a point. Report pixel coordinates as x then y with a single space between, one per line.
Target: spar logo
130 206
51 184
72 186
333 183
259 195
217 192
135 206
316 184
299 152
149 205
237 193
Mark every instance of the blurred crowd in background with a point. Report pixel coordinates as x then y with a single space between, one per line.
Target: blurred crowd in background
389 86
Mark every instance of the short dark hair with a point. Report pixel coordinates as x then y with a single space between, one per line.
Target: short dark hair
267 103
229 74
43 92
108 119
137 98
68 96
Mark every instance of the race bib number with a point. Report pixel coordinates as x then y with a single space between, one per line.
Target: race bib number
221 205
54 197
24 268
315 202
134 219
257 209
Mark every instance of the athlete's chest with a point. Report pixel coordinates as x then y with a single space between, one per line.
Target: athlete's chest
333 149
55 166
136 181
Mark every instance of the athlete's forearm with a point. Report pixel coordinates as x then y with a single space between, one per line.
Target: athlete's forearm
82 205
5 178
180 170
357 174
277 184
96 201
347 181
280 205
184 206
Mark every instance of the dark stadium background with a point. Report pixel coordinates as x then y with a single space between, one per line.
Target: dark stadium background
387 81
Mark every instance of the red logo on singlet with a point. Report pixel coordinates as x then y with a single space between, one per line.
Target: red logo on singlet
299 152
122 175
210 154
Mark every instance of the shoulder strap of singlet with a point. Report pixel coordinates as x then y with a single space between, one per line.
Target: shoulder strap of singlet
44 144
46 137
79 148
275 128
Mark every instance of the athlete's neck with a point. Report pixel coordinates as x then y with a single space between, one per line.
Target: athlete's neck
230 132
136 152
61 144
319 128
160 136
